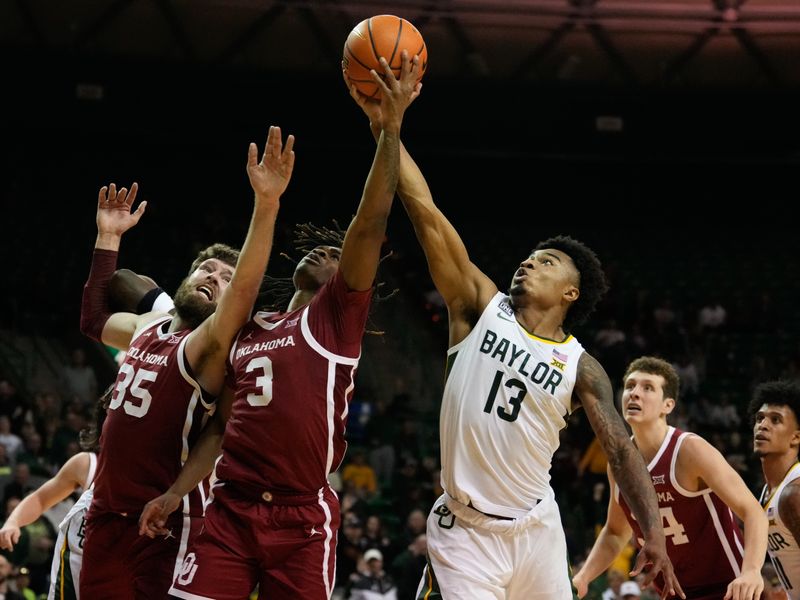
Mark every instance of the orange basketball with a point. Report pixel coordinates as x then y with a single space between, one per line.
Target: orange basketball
382 35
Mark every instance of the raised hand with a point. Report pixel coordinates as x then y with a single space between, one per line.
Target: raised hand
396 94
270 177
114 215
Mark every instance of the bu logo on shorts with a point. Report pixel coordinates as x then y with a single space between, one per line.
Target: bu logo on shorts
188 569
446 518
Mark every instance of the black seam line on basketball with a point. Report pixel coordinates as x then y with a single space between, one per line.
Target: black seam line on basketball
355 58
397 41
372 41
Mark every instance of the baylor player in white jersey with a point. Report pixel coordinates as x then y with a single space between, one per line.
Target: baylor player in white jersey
77 473
776 439
68 557
495 533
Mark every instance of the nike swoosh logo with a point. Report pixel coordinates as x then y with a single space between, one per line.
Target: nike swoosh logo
500 315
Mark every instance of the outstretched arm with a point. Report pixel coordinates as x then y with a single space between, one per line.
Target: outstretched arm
69 477
593 390
208 345
114 217
465 289
699 460
197 466
362 243
614 536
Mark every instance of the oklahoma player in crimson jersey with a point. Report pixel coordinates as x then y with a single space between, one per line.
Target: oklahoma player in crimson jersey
272 519
165 389
697 490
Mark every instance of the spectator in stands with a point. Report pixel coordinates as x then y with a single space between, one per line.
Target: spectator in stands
360 475
5 573
9 398
407 567
629 590
20 486
712 315
375 537
33 455
373 583
80 380
10 440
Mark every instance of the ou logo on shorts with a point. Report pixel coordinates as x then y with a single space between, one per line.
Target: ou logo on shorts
188 569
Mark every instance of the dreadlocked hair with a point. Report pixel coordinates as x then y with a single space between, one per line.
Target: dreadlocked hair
277 292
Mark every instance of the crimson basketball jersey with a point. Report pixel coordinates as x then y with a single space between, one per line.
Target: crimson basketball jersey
704 542
156 412
294 375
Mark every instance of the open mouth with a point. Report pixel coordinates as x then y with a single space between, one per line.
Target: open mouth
207 292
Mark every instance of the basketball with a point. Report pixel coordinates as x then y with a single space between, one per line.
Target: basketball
381 35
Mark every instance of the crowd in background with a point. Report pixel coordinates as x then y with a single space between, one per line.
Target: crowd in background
723 333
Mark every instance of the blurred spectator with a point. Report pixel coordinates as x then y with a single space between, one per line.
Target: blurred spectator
5 574
11 441
360 475
688 374
629 590
9 398
22 582
374 583
416 523
712 315
408 566
80 380
615 581
20 486
379 438
375 537
724 415
33 455
349 546
67 435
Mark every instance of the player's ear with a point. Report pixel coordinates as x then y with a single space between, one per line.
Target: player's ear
669 405
571 293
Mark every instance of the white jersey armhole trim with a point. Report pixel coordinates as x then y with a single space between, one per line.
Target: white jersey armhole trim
662 449
92 469
318 348
456 347
674 479
151 324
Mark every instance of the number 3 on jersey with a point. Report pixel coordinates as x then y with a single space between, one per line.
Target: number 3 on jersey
140 378
263 381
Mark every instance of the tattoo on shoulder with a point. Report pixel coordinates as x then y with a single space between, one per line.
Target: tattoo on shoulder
790 509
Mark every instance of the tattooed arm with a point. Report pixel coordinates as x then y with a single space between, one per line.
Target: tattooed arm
789 508
593 391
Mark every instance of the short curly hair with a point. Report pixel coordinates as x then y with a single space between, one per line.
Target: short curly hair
223 252
780 392
592 279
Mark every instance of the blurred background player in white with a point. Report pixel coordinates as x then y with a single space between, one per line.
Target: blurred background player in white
75 474
774 409
514 373
697 490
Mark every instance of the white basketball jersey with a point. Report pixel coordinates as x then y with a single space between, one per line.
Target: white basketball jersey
782 547
68 556
505 400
